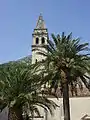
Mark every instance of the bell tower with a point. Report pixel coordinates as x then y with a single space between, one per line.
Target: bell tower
40 36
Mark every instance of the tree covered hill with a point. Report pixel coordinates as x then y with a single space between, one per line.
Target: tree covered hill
26 59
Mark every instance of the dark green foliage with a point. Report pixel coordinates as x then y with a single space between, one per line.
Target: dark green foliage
19 89
66 64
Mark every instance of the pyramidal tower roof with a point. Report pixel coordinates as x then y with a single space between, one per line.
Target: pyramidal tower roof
40 23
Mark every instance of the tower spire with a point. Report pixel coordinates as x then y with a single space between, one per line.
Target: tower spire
40 23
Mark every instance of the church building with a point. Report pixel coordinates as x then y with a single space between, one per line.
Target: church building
79 105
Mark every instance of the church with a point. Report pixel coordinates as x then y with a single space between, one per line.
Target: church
79 105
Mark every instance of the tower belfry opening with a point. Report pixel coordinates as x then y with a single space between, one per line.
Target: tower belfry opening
40 36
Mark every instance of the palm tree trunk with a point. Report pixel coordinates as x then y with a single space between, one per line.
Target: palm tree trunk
66 106
15 114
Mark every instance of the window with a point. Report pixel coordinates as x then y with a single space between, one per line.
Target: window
36 61
43 40
37 40
42 60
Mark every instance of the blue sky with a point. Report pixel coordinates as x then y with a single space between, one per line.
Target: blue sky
18 19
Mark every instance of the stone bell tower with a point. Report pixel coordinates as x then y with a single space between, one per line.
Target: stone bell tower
40 36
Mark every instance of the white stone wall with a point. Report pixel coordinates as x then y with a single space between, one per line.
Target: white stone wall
79 107
37 56
34 53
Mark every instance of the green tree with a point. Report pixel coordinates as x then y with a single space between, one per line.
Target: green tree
66 64
19 89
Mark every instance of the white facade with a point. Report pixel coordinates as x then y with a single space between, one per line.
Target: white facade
79 107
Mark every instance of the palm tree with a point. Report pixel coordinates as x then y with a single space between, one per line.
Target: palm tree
66 63
19 89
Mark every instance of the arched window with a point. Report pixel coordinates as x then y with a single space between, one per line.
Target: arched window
36 61
37 40
43 40
42 60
